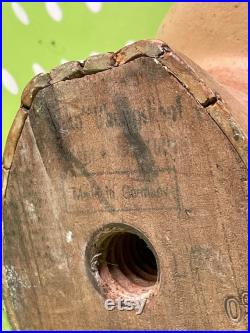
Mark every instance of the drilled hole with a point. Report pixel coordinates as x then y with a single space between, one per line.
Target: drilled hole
123 263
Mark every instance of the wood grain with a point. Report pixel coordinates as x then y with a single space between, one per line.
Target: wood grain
87 142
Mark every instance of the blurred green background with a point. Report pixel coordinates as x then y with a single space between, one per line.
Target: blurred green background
40 36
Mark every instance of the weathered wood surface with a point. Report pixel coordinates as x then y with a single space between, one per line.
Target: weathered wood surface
217 35
146 122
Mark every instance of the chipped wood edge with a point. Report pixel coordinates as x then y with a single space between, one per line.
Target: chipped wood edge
13 137
210 100
204 95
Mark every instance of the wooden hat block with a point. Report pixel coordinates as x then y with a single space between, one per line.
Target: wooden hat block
217 35
125 149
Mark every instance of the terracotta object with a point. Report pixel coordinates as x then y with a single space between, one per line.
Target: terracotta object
214 36
125 181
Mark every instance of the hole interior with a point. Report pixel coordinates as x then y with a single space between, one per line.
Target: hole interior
123 263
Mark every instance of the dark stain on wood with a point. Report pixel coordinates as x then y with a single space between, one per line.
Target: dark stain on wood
142 153
52 149
70 164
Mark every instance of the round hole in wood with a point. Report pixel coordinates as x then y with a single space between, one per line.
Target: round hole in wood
122 262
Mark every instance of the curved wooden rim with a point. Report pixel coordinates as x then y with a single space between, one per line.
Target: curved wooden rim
162 55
